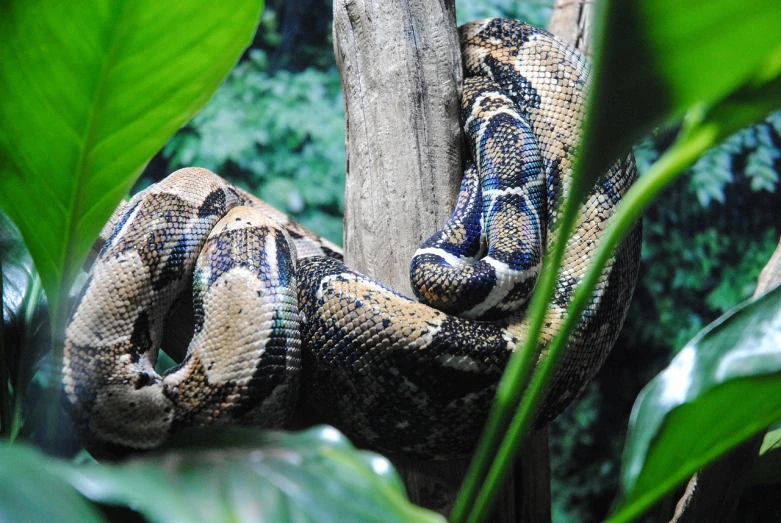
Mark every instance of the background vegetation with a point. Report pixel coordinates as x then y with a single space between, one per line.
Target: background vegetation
276 127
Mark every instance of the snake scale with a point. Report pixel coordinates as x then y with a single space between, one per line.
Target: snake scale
279 319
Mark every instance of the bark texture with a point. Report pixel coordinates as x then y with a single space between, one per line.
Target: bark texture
712 495
400 65
571 21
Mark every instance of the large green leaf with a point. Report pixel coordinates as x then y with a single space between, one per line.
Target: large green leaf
723 387
32 493
656 59
90 91
238 475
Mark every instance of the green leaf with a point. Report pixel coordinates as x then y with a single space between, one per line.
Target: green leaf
723 387
91 91
26 479
656 59
237 475
767 469
26 332
25 316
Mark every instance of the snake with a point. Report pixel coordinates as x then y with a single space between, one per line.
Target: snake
281 324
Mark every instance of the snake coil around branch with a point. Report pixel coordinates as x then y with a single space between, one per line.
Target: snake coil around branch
279 317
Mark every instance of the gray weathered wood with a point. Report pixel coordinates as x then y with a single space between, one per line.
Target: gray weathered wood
571 21
713 493
400 65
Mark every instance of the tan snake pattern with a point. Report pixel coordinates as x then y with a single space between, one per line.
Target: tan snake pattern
279 318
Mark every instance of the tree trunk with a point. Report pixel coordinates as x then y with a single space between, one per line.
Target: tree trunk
400 66
571 21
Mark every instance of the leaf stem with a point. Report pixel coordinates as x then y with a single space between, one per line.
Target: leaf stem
682 154
516 376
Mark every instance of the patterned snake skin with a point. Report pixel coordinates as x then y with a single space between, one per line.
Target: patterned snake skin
278 317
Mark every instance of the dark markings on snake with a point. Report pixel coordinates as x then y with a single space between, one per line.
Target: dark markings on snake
480 271
198 313
553 182
285 267
236 195
270 372
518 88
423 374
144 380
120 224
174 264
331 253
565 287
499 28
140 338
213 205
221 257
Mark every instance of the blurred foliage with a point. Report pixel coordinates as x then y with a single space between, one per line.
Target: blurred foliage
237 475
535 12
580 474
753 152
280 136
705 242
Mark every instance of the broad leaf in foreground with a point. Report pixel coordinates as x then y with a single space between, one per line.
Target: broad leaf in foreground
91 91
723 387
24 479
234 475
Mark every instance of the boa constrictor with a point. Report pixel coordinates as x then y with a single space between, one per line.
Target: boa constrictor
278 316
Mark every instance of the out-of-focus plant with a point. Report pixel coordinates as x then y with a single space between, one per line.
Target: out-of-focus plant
699 261
535 12
705 243
281 136
205 476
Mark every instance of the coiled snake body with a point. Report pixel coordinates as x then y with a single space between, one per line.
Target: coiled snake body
278 316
